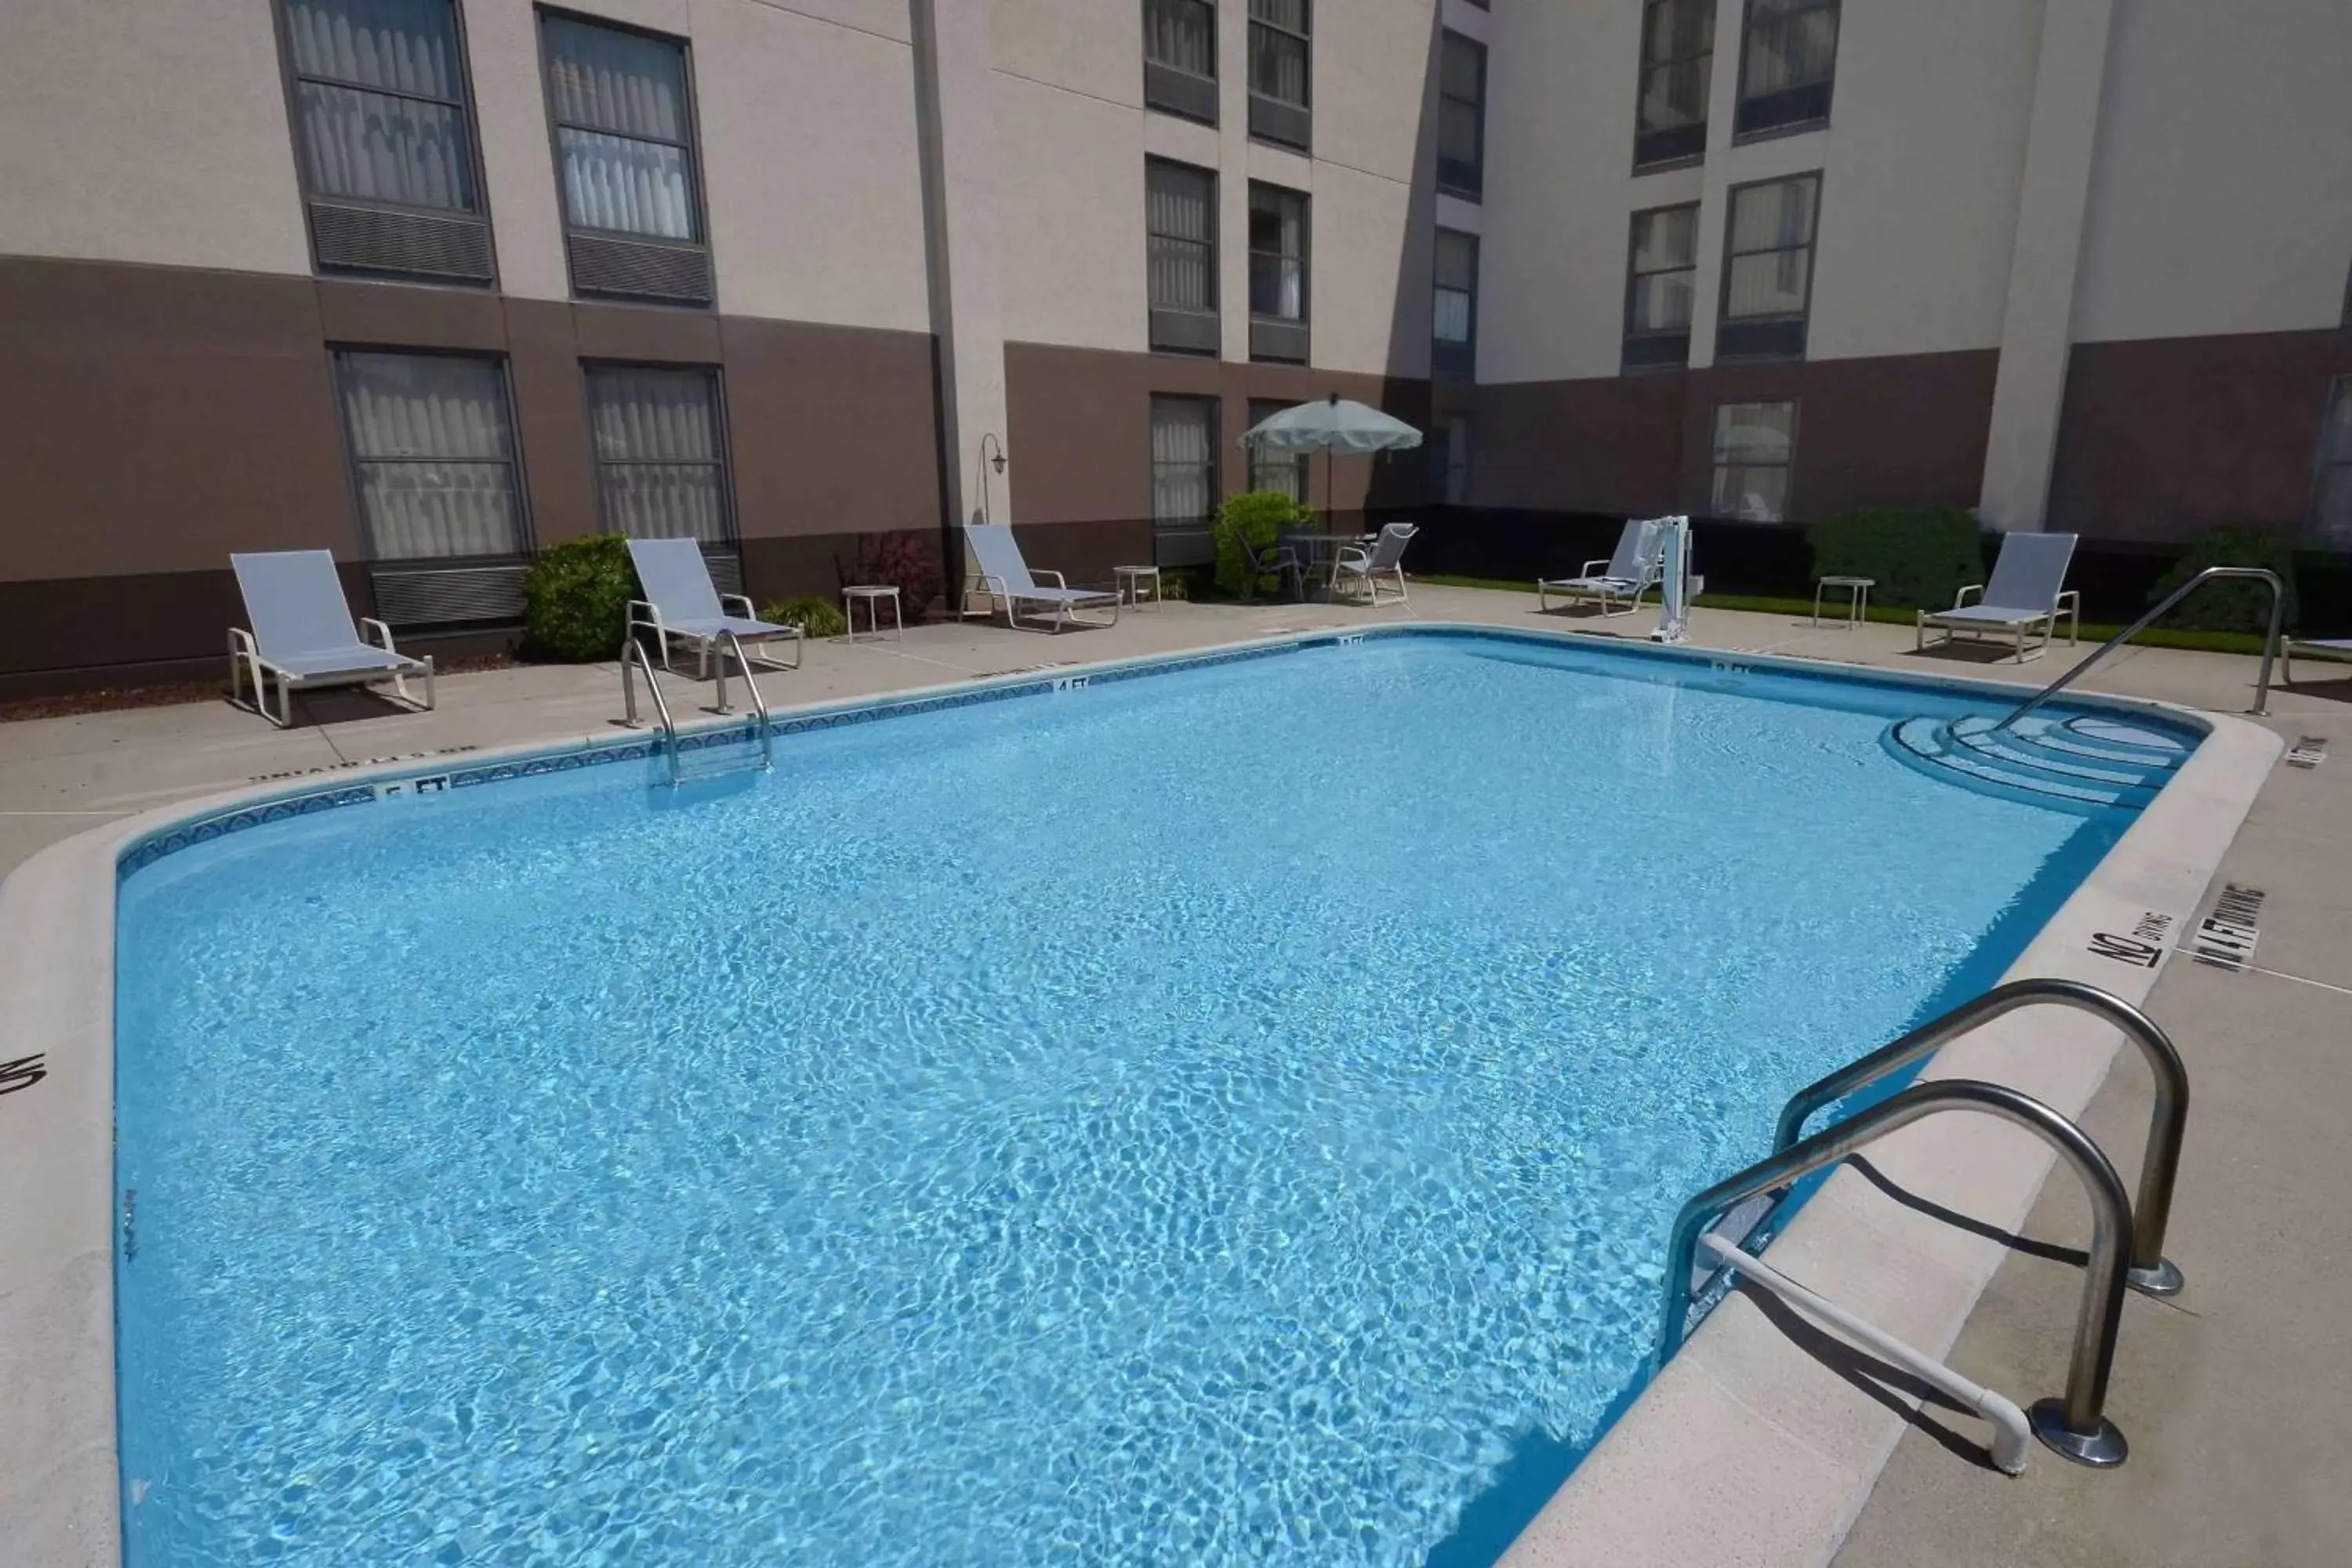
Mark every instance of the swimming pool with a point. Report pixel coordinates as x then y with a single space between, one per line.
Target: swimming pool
1228 1115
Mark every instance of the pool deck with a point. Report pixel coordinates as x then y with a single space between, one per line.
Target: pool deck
2231 1393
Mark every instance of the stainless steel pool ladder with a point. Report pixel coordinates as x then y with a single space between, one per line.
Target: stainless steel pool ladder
2074 1425
759 707
633 658
2270 642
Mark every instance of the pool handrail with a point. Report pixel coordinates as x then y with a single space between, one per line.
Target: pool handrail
2074 1425
2151 1274
634 656
759 707
2269 641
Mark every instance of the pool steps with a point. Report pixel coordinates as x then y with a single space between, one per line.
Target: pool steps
2084 760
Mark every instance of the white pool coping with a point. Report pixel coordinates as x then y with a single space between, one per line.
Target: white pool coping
1729 1457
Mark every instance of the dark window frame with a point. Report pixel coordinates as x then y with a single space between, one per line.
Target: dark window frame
722 441
1740 134
1184 95
1285 327
526 538
1627 360
2322 466
1216 471
1473 190
691 105
1259 410
289 82
1642 68
1451 358
1271 118
1214 309
1803 316
1796 406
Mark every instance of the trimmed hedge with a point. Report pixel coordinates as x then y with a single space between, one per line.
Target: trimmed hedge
576 600
1259 517
2243 606
1919 557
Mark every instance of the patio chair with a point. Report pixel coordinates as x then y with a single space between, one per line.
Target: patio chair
1005 576
1275 559
2028 589
680 602
2327 647
1367 565
302 634
1638 565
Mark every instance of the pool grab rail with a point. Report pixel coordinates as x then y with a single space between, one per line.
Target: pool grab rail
2150 1273
2270 642
2011 1429
634 657
758 708
2074 1425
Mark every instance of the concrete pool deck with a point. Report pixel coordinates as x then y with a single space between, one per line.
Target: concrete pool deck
2239 1361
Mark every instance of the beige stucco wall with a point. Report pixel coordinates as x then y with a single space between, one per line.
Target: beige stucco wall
2221 197
113 148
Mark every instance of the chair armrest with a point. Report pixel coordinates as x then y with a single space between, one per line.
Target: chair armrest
742 599
1960 599
1352 558
1592 568
240 641
377 632
2068 599
1059 581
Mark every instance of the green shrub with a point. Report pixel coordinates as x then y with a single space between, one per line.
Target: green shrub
1258 517
815 617
1919 556
1175 583
575 599
2229 605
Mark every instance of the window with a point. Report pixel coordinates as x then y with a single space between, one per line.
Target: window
1449 459
1754 445
1454 317
1767 274
1277 274
1179 57
1279 71
1787 60
624 123
384 136
1662 274
1180 220
1461 116
2331 508
1271 470
1184 490
661 455
1677 61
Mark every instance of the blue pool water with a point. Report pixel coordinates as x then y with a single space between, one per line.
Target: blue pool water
1230 1116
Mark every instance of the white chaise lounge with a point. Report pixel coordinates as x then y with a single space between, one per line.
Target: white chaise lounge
2335 647
302 636
2028 589
1005 576
1636 568
681 604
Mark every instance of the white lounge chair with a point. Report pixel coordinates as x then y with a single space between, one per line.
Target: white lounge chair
1638 566
1005 576
302 634
681 603
1360 565
2327 647
2028 589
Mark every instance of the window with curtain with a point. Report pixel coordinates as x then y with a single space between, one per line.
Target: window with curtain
431 438
1461 115
1754 444
1768 268
1677 62
380 101
1457 287
1283 472
1180 217
1449 459
661 455
1278 50
2331 511
1661 276
624 130
1182 35
1787 61
1277 253
1183 464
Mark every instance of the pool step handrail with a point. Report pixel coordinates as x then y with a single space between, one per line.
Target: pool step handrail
2010 1428
634 657
758 708
2151 1274
2269 641
2075 1425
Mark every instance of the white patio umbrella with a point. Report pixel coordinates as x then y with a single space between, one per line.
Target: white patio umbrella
1333 425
